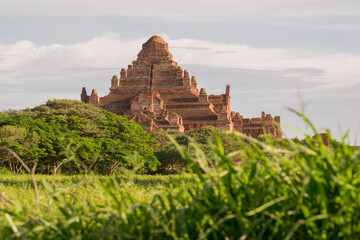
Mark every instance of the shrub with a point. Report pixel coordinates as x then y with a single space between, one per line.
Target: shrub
203 139
78 137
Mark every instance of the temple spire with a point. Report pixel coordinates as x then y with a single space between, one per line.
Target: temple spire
155 50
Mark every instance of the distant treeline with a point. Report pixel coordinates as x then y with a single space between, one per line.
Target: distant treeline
71 137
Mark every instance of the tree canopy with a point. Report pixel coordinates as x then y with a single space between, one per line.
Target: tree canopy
78 136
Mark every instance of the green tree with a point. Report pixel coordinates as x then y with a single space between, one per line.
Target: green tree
81 138
21 141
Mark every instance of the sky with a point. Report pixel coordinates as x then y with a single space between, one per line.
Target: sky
275 54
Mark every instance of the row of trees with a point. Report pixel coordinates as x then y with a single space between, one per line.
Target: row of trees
72 137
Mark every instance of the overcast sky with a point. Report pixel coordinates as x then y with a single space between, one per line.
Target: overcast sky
270 52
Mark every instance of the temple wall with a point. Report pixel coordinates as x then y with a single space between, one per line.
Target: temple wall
158 94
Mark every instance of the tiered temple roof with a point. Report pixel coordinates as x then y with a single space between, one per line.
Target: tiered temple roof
158 94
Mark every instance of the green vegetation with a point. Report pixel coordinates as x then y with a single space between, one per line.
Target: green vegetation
70 137
278 190
73 137
190 141
19 188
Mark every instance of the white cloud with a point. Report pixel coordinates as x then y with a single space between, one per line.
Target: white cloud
340 69
111 51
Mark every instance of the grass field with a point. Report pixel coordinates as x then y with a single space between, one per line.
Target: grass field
296 190
82 188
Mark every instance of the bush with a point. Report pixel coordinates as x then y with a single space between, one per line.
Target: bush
202 139
76 136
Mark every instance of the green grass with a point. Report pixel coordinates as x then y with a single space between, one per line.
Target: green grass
277 191
143 188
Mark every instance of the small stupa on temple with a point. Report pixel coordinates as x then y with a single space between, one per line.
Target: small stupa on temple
157 93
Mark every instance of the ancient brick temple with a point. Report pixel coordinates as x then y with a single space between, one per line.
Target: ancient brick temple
158 94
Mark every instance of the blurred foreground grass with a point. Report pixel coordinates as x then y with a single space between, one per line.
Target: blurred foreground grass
292 190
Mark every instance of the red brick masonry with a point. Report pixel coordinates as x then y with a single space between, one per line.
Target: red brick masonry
158 94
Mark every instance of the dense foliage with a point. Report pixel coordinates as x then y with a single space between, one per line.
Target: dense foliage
73 137
191 141
290 191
